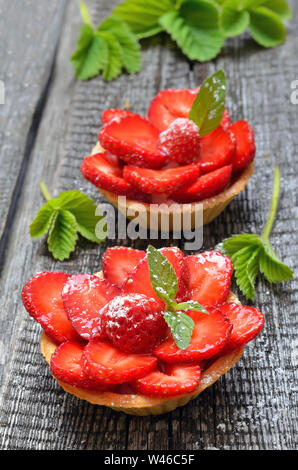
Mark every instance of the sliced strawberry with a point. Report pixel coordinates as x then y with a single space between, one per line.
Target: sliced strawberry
138 281
247 323
114 113
133 139
206 186
161 181
210 334
43 301
216 150
65 366
209 277
245 145
176 380
84 295
104 171
119 261
226 120
171 104
105 364
181 141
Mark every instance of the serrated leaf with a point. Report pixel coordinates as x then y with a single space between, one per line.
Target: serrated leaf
280 7
62 235
208 107
114 64
42 221
142 15
237 242
162 275
181 326
191 305
272 267
131 52
246 268
233 21
195 29
266 27
91 54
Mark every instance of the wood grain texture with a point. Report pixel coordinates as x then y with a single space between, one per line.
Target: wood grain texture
255 405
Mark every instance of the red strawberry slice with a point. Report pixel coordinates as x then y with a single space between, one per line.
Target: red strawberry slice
119 261
176 380
247 323
226 120
181 141
84 295
133 139
65 366
105 364
216 150
138 281
114 113
245 145
161 181
171 104
210 334
104 171
209 277
206 186
43 301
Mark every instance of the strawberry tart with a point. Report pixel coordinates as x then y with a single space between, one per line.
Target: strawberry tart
163 158
140 341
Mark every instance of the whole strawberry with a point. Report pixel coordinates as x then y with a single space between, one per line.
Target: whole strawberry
181 141
134 323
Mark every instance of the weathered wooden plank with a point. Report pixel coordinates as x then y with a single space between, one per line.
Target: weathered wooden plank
254 405
29 35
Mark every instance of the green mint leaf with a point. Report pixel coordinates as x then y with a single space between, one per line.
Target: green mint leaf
195 29
266 27
272 267
162 275
85 13
62 235
181 326
42 221
233 21
91 55
190 305
142 15
209 104
130 48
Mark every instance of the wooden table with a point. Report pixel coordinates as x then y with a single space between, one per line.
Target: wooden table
48 123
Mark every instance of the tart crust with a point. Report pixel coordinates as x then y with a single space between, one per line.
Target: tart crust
143 405
212 206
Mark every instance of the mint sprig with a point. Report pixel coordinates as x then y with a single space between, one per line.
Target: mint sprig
252 254
165 284
209 105
63 217
199 27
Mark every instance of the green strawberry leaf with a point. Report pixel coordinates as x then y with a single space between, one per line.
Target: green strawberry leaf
272 267
131 55
42 221
209 104
280 7
62 235
233 21
91 54
181 326
266 27
114 64
142 16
